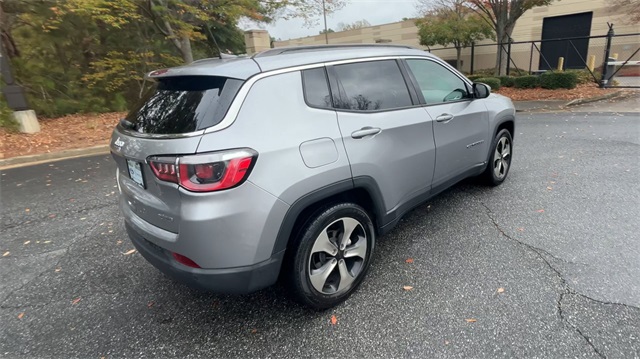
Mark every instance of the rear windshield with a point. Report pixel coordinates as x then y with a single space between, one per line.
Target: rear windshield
183 104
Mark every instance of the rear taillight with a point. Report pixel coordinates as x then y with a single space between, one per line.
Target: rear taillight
205 172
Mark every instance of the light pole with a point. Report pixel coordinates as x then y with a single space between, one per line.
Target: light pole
324 14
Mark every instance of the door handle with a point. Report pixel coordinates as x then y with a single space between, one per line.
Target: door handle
365 131
444 117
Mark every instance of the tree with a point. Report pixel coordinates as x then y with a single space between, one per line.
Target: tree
353 26
502 16
327 31
452 22
631 7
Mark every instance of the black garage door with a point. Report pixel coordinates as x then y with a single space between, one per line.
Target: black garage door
567 26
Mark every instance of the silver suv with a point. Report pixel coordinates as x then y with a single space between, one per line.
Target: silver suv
233 172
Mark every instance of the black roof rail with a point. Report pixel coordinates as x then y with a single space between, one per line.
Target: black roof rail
289 49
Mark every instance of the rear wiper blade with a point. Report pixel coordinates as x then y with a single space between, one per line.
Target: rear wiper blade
126 124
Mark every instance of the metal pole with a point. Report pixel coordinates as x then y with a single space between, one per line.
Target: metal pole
509 56
324 14
473 55
531 58
604 80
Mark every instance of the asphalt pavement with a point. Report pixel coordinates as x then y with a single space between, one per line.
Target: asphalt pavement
546 265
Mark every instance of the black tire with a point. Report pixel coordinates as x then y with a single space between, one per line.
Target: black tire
330 220
491 176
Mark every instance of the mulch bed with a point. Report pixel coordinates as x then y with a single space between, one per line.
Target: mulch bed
74 131
537 94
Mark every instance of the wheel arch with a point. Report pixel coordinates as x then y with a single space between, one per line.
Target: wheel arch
363 193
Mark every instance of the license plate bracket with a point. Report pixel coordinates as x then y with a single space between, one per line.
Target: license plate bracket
135 172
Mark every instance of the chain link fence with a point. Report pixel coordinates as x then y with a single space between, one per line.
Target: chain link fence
622 69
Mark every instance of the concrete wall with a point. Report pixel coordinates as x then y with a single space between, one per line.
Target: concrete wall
528 28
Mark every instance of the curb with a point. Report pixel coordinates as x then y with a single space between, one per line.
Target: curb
581 101
52 156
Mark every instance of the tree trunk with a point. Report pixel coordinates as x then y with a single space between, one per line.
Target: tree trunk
458 56
185 49
503 35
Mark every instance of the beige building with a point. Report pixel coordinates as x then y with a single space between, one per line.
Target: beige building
565 18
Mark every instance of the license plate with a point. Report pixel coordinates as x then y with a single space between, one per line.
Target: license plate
135 172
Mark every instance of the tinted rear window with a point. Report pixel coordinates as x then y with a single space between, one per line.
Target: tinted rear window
372 86
184 104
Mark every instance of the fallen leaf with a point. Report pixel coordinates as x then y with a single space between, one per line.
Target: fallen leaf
75 301
540 211
549 188
27 210
407 287
52 216
500 290
27 242
119 242
83 218
57 269
45 242
150 304
20 315
470 320
409 260
334 320
446 342
129 252
521 229
254 331
6 253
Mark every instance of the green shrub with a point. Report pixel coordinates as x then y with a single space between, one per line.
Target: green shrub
526 82
485 72
475 77
493 82
584 76
558 80
6 117
507 81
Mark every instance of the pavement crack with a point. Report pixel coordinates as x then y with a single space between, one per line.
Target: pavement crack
541 253
575 327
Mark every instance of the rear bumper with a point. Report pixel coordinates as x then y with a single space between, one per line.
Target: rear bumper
238 280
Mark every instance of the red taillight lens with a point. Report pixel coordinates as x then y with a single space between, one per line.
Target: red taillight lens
184 260
165 171
206 172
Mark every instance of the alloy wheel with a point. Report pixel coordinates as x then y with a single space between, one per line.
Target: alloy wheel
337 256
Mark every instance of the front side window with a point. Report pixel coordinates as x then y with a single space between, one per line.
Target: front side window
437 84
371 86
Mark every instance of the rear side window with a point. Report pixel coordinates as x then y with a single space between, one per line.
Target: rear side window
371 86
183 104
316 88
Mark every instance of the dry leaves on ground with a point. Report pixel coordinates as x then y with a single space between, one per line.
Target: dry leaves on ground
129 252
20 315
407 287
537 94
470 320
500 290
74 131
76 301
334 320
409 260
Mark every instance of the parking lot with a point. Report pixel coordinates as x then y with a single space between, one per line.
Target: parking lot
546 265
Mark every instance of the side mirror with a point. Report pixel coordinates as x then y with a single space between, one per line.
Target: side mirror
481 90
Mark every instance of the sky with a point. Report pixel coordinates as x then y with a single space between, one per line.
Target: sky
377 12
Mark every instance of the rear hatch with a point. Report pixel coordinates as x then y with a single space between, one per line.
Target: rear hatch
167 122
